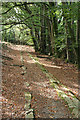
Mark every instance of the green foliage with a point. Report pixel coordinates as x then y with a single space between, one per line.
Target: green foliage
39 17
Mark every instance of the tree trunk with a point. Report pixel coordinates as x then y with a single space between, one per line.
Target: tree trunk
52 38
72 40
43 41
67 42
49 39
34 40
79 36
53 27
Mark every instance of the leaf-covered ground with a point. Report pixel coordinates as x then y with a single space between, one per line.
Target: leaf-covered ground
45 100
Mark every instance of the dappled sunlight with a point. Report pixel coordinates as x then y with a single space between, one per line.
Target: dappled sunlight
3 99
39 85
43 84
54 66
20 47
68 89
30 49
31 61
44 89
39 60
74 90
77 86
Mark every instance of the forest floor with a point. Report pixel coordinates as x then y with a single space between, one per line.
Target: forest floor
45 100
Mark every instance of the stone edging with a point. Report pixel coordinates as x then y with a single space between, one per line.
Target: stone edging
29 111
72 101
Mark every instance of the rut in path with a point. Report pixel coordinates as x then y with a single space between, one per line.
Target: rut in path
45 101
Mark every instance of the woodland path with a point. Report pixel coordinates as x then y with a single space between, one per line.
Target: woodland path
45 100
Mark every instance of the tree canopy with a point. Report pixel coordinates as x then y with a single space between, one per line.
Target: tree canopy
53 27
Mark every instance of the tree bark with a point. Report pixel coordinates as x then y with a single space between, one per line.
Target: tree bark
78 36
49 39
34 40
43 41
67 45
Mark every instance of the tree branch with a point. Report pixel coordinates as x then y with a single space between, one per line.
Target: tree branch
16 22
11 8
23 22
6 28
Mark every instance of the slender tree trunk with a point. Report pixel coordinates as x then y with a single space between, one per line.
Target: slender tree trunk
77 32
67 45
54 27
49 39
78 27
38 34
43 41
34 40
55 21
52 38
72 40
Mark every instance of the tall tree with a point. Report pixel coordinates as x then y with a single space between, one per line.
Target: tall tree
53 25
43 42
78 36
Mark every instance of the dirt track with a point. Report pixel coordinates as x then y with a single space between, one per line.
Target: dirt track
45 101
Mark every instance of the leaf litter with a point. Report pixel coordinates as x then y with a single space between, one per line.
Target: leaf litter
45 100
